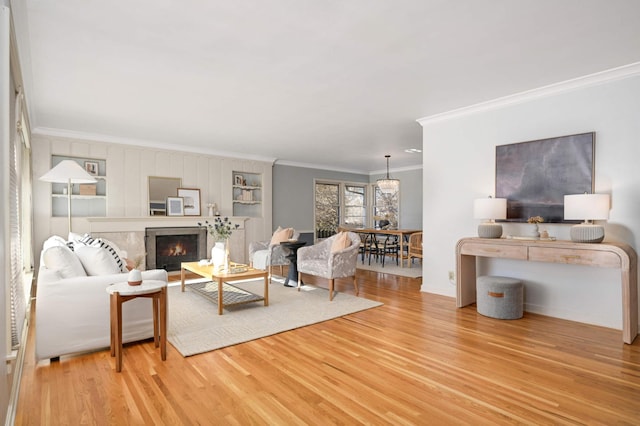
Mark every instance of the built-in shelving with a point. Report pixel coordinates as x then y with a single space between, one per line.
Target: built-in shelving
91 204
247 194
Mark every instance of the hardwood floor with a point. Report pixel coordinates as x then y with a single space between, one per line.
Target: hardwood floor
415 360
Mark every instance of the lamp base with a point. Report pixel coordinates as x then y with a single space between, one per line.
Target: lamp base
587 233
490 230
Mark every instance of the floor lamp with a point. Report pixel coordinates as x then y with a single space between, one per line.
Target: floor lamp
69 172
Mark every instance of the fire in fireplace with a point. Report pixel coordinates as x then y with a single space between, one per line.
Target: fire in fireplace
167 248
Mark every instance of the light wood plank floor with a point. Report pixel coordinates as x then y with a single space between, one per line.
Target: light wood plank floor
415 360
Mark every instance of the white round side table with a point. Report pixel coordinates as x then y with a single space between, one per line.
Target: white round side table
122 292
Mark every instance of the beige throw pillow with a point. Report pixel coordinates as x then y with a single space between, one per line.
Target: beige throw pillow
281 235
341 242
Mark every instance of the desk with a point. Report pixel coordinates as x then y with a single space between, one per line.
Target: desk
122 292
402 234
292 247
604 255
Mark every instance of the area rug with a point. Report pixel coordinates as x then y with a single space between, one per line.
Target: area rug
390 268
195 326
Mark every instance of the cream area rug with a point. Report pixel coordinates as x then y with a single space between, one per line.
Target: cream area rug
390 268
195 326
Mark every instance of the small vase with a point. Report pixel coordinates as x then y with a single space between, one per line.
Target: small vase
135 277
532 231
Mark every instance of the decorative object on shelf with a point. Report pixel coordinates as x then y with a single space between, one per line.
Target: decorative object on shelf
69 172
220 230
87 189
587 207
175 206
212 209
134 277
191 197
490 209
239 180
534 230
91 167
388 185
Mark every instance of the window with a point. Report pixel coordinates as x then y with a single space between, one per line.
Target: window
327 210
339 203
355 208
385 208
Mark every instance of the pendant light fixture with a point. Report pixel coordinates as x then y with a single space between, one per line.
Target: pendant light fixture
388 185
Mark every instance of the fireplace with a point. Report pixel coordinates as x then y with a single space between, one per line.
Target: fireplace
167 248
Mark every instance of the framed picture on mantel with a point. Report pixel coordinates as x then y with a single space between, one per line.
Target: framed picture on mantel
191 197
175 206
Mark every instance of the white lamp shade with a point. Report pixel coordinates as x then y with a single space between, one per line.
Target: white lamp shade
586 207
490 208
68 171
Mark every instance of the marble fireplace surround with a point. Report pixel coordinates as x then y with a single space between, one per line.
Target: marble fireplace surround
128 233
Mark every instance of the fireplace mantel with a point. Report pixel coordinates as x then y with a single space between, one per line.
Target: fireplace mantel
134 224
124 230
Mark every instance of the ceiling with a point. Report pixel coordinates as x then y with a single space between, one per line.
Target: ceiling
328 83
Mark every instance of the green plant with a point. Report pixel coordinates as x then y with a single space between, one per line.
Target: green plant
220 229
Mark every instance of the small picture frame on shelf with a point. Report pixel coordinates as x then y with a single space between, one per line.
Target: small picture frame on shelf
239 180
191 197
175 206
91 167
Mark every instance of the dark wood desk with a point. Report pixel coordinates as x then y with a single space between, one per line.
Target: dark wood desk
603 255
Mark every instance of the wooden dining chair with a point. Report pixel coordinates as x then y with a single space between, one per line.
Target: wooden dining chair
415 247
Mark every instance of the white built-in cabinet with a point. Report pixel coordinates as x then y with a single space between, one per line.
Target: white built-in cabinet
87 200
247 194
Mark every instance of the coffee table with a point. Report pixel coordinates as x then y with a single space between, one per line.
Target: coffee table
207 271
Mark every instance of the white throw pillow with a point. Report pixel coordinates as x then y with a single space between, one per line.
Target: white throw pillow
53 241
64 261
97 260
113 250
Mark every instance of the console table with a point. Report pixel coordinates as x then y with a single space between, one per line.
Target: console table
604 255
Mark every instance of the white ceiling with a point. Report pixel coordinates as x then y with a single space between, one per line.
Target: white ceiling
331 83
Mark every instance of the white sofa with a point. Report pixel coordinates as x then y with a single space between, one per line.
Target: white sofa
72 308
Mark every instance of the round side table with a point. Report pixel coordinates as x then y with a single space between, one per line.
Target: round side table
122 292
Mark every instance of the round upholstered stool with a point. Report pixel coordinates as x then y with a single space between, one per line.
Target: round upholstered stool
499 297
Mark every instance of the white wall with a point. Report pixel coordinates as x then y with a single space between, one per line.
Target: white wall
128 169
459 165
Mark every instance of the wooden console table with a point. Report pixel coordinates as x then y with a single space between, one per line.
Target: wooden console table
604 255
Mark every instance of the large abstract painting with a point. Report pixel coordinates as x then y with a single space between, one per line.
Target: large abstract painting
535 176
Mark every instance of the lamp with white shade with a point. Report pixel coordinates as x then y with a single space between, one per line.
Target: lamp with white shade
490 209
69 172
587 207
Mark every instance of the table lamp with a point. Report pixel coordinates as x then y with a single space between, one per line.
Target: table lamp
587 207
490 209
69 172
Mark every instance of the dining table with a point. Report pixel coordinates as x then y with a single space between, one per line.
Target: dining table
402 234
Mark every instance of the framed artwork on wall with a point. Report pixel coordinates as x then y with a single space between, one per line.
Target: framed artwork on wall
91 167
191 197
175 206
535 176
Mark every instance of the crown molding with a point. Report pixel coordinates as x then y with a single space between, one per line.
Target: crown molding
396 169
601 77
71 134
319 167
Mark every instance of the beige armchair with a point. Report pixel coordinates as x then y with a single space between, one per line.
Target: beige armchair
267 254
335 257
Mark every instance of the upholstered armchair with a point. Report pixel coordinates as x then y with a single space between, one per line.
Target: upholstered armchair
267 254
335 257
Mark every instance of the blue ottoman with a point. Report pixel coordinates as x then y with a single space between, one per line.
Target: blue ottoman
499 297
